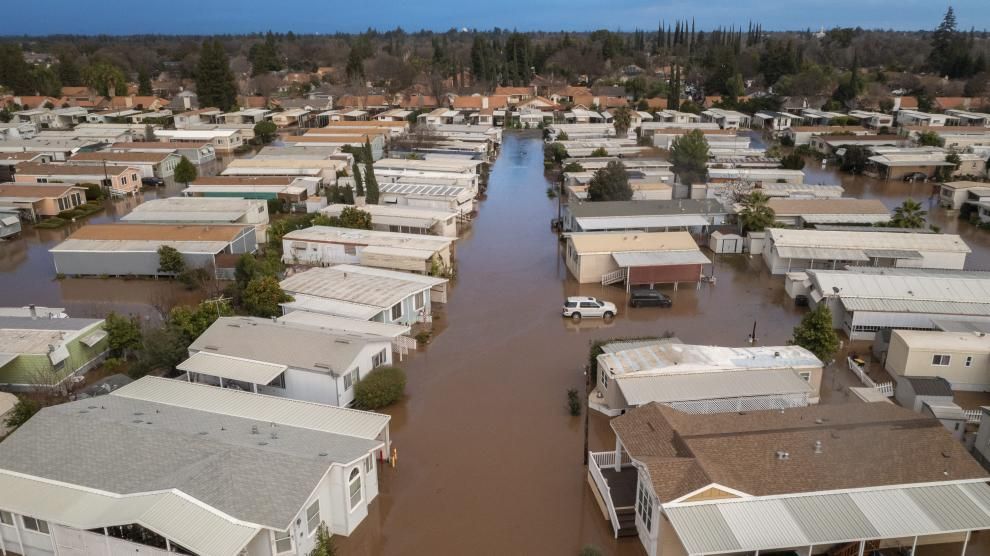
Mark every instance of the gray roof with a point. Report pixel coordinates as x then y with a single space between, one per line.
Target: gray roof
930 386
659 258
372 287
123 445
28 323
637 208
282 343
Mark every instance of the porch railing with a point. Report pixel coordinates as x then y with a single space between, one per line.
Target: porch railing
596 474
973 415
885 388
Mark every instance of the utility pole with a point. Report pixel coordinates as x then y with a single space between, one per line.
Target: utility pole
587 409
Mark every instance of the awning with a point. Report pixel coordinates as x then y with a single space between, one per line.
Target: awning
821 253
642 222
94 338
9 220
659 258
233 368
892 254
59 354
7 358
769 523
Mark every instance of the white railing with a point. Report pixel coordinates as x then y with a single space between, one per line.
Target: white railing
607 459
603 489
614 277
885 388
973 415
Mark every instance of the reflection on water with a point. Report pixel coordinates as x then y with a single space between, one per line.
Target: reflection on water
27 273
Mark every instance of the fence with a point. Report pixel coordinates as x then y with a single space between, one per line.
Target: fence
885 388
603 488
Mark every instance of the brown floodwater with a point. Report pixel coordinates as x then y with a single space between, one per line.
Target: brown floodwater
27 272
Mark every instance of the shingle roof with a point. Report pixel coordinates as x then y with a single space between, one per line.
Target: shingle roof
863 445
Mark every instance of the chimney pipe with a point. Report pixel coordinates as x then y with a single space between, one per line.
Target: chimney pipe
34 311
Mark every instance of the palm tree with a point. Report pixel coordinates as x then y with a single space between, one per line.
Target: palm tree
756 214
909 215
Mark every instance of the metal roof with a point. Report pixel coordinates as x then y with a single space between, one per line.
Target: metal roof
867 240
899 291
234 368
640 390
268 409
422 189
821 253
336 323
136 246
768 523
314 304
658 357
893 254
641 222
659 258
844 218
357 284
204 531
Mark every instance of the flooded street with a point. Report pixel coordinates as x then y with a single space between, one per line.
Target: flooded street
490 461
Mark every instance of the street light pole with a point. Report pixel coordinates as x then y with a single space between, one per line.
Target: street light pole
587 409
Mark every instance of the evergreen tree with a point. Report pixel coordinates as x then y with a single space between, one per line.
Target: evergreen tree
348 195
264 57
611 183
689 155
815 333
370 184
144 82
215 84
15 73
68 70
358 179
185 171
106 78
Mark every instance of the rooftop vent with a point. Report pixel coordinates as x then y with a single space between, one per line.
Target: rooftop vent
782 456
212 348
818 447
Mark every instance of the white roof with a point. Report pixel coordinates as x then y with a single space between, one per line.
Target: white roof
234 368
335 323
593 223
825 518
642 389
257 407
629 259
189 134
949 243
371 287
170 514
662 358
936 293
329 234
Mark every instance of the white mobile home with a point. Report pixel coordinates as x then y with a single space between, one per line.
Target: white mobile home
404 219
326 245
195 469
285 359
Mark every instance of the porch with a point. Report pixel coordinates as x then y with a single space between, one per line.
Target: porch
613 479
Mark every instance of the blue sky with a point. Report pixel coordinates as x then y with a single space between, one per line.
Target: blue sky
328 16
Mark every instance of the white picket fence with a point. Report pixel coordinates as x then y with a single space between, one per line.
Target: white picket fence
885 388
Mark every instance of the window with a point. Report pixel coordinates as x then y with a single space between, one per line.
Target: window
283 542
379 359
644 506
36 525
6 518
969 361
355 487
369 464
350 250
604 380
589 305
806 375
313 516
396 311
134 177
350 378
123 180
419 300
941 360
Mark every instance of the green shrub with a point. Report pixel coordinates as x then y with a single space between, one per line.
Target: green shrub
382 387
573 402
51 223
23 410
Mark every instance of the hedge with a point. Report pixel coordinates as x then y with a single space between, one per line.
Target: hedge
380 388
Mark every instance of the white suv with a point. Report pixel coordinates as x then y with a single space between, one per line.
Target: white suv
578 307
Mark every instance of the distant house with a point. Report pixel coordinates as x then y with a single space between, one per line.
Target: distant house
119 180
10 221
323 170
41 352
925 119
197 153
36 201
774 121
203 210
199 116
802 135
790 250
807 212
365 293
290 117
285 188
224 140
726 119
694 215
429 196
705 379
326 245
283 359
132 249
636 258
180 455
406 220
865 300
772 482
961 358
893 163
151 164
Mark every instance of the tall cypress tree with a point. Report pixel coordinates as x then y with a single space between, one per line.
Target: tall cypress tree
215 84
358 180
370 184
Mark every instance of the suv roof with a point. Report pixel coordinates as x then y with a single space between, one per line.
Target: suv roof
647 291
581 298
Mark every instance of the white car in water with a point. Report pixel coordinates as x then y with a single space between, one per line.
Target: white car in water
580 307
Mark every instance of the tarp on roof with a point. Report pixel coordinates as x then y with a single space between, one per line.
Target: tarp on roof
769 523
821 253
641 390
659 258
233 368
